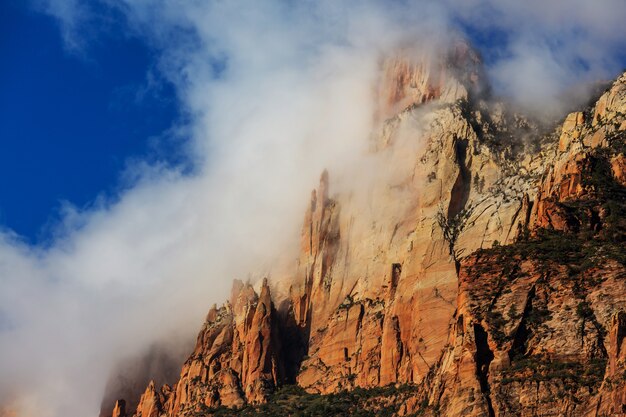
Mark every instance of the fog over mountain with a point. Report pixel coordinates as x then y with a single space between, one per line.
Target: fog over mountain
273 93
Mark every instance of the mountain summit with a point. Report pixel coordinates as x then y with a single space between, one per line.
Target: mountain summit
478 270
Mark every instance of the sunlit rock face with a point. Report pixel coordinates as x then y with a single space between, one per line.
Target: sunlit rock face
119 410
539 324
376 282
435 269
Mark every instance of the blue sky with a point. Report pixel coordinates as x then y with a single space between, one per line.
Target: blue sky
69 120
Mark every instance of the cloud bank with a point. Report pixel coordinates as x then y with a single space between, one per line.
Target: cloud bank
544 48
275 93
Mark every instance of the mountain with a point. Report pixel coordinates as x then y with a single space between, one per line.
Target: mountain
477 268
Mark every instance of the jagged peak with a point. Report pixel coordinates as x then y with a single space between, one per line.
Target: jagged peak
212 314
237 287
265 293
120 408
411 77
371 339
319 196
323 187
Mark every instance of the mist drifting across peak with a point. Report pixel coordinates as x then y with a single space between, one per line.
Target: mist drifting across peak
277 92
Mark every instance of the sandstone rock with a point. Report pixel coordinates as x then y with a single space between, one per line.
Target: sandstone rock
612 103
511 350
426 276
618 168
409 79
130 377
571 130
617 343
237 358
151 402
120 409
262 367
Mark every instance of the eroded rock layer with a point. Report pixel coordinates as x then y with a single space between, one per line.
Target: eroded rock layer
486 275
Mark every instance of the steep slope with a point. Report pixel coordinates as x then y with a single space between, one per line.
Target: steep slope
485 275
129 379
539 328
375 265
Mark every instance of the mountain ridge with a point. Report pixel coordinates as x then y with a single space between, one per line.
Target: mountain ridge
458 272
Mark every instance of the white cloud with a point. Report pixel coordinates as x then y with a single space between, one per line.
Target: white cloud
549 47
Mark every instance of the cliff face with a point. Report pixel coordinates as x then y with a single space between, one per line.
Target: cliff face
130 378
486 274
539 323
373 268
237 358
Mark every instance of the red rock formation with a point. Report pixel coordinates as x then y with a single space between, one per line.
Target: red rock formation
618 168
534 332
151 403
130 378
262 367
400 284
532 349
617 343
120 409
237 358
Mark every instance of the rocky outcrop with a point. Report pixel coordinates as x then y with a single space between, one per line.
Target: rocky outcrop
529 337
539 325
576 170
487 275
119 410
381 263
152 401
613 399
237 359
160 363
411 78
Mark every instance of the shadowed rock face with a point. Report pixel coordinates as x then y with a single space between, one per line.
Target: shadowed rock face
487 273
119 410
131 376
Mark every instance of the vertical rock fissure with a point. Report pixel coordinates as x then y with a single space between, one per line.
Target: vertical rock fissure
518 348
454 219
600 331
620 322
396 270
359 323
399 345
461 188
483 359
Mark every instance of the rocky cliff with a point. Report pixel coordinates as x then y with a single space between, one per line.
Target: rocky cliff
480 271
